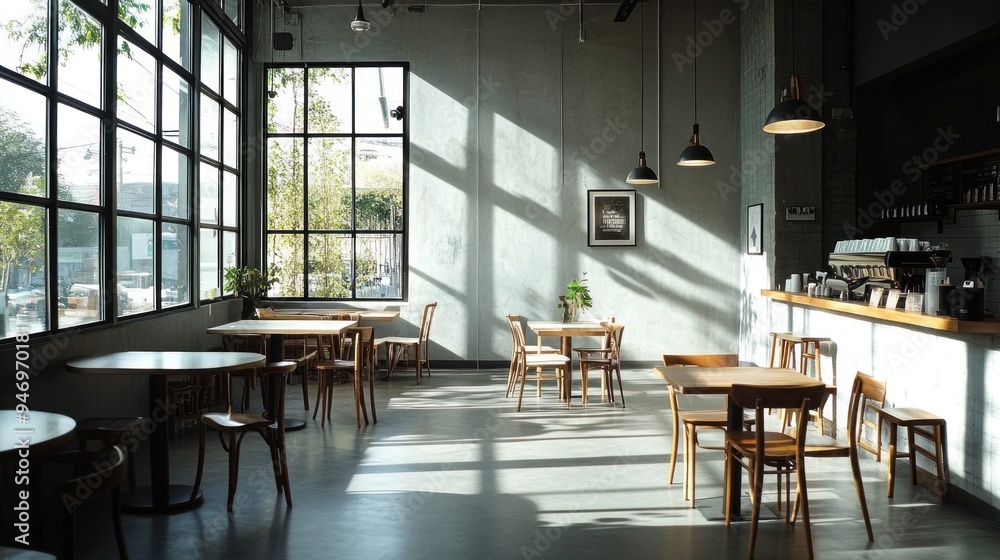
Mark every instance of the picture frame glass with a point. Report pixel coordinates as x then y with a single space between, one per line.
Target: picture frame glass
755 229
611 218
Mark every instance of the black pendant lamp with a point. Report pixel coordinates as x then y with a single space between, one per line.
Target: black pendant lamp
642 174
792 115
360 23
695 155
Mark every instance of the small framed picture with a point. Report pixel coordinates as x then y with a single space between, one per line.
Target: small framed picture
755 229
876 298
610 218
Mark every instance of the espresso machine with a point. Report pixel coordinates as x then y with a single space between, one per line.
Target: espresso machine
902 270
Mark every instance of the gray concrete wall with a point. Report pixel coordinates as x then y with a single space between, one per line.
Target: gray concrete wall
513 120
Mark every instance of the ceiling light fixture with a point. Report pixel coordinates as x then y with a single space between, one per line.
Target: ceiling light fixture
695 155
642 174
360 23
792 115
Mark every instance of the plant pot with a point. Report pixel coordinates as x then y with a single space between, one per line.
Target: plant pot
249 310
571 313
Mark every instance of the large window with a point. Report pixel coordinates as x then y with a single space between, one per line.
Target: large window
97 158
336 153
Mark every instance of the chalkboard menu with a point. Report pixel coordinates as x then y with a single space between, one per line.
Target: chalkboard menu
976 179
941 183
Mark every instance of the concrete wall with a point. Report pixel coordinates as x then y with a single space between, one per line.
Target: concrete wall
513 120
758 94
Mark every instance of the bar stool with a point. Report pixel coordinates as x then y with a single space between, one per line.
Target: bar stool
783 345
918 422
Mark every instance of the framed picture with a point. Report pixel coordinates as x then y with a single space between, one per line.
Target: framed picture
755 229
610 218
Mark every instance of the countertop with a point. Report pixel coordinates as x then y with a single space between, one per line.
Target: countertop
861 309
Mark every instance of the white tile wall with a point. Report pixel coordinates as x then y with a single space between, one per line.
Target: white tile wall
949 374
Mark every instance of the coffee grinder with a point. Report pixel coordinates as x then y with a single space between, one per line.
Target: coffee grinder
968 301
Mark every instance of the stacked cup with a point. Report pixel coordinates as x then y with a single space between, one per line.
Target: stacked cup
794 283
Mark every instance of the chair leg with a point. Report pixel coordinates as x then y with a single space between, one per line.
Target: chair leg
941 443
283 455
524 377
892 457
583 385
319 393
371 388
621 392
420 367
268 436
729 483
674 437
234 468
912 454
758 484
689 460
856 471
116 519
304 371
802 496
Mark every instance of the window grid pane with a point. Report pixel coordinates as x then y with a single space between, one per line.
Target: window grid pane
347 242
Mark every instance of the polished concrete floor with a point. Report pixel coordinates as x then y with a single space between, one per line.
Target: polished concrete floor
451 471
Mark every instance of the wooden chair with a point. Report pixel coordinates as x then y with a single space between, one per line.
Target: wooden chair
537 362
95 473
354 370
607 359
760 452
109 431
187 397
297 347
783 346
399 346
237 425
692 420
927 425
865 391
531 349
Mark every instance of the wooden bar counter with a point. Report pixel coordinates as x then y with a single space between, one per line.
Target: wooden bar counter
861 309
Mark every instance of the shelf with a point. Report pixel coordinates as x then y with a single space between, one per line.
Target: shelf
861 309
939 220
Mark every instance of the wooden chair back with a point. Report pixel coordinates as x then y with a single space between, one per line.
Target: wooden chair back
425 324
867 394
614 340
96 473
702 360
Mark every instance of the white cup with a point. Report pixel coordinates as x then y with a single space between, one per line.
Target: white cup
794 283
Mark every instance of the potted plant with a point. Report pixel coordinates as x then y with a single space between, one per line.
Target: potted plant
250 284
577 297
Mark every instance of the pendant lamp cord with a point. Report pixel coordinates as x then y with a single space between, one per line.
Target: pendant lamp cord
642 80
793 36
694 29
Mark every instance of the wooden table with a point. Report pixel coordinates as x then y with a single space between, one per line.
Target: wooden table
277 330
566 332
719 381
161 496
33 430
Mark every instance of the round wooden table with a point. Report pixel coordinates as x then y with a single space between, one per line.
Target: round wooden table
35 430
161 496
